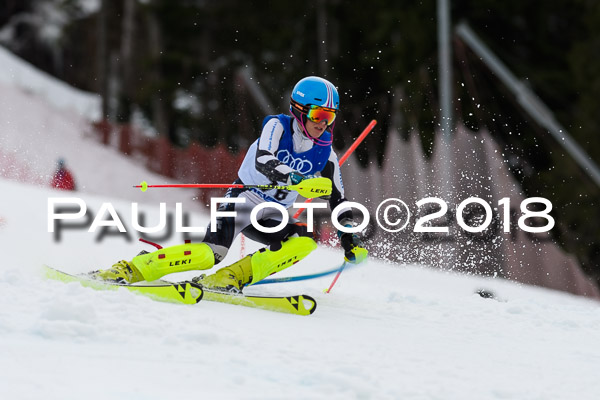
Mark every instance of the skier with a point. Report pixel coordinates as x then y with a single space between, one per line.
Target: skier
290 149
62 179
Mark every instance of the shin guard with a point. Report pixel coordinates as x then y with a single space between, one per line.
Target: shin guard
181 258
266 262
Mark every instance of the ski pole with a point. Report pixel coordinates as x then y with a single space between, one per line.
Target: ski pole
336 277
316 187
298 277
347 154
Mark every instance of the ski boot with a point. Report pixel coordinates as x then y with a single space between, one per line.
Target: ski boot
230 279
121 272
258 266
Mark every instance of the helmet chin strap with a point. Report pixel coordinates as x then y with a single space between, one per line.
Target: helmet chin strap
316 141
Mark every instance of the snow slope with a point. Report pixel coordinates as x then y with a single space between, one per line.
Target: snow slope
18 73
384 332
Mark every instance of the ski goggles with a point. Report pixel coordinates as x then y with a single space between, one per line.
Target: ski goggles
317 114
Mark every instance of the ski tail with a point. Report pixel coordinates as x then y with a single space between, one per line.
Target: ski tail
299 304
183 292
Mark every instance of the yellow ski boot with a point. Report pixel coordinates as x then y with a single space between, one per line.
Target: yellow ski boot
121 272
258 266
232 278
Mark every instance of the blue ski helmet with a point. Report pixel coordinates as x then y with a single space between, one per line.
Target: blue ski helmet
312 93
317 91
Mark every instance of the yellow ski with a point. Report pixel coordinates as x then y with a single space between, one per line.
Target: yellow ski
191 293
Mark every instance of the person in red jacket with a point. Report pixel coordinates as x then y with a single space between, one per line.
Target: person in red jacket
63 179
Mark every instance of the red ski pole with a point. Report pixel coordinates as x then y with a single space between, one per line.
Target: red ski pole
358 141
307 188
144 186
336 277
347 154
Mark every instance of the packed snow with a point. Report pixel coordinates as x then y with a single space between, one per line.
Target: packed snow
384 332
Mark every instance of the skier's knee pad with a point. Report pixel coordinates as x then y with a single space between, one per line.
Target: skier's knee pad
181 258
266 262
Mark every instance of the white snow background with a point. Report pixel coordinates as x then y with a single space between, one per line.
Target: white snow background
384 332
